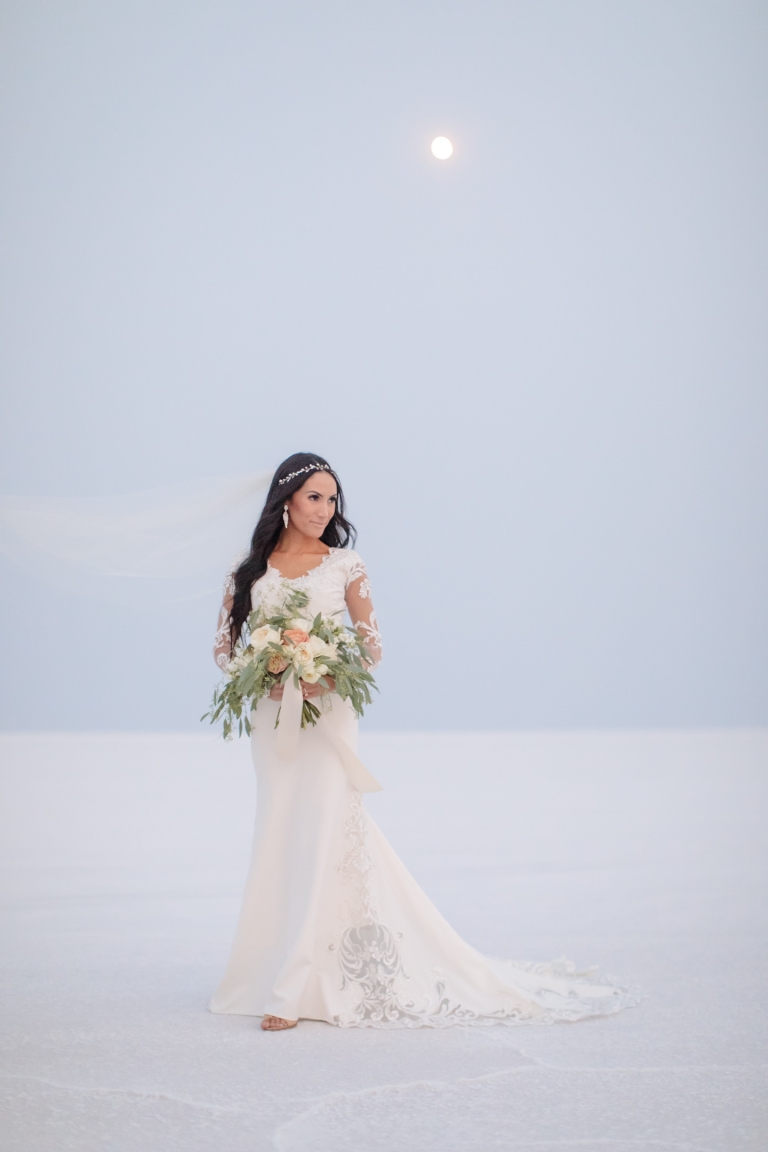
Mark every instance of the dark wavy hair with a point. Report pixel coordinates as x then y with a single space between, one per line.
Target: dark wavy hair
339 533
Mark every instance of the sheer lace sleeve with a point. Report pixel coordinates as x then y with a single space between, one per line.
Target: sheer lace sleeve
221 642
360 607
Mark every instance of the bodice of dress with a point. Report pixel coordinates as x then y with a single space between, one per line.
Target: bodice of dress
339 583
326 585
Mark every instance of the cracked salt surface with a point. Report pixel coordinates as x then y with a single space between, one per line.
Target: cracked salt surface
123 859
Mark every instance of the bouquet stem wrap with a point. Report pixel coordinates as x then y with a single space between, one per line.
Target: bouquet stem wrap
288 730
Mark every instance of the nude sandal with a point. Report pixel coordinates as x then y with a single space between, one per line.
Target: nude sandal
276 1024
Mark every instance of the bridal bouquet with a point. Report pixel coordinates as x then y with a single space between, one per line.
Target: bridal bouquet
283 645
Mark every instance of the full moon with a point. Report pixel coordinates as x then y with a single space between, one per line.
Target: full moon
442 147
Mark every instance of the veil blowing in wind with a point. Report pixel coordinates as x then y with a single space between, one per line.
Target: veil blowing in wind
159 546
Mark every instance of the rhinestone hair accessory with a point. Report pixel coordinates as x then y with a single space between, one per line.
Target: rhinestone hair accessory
309 468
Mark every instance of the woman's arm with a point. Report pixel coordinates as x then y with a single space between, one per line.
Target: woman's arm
222 644
360 607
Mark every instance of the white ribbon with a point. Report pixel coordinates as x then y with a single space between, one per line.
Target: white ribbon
289 727
289 724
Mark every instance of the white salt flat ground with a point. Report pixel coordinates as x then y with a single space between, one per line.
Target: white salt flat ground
123 858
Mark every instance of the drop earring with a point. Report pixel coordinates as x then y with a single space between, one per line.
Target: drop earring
285 515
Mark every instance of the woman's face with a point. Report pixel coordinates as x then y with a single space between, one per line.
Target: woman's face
313 505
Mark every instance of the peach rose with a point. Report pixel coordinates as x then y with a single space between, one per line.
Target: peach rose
277 663
295 636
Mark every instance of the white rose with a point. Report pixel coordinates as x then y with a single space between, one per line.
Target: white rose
303 658
320 648
301 623
264 636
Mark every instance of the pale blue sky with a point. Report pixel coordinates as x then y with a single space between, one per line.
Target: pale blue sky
539 367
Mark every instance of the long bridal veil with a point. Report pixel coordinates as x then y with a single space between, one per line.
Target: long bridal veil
159 546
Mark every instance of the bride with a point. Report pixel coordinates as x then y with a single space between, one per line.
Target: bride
333 927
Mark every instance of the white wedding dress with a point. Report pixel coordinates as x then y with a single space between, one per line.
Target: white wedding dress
333 927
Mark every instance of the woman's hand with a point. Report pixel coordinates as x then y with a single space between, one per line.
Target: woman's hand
310 690
307 690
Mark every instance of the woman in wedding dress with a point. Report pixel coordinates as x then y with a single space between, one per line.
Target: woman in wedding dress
332 926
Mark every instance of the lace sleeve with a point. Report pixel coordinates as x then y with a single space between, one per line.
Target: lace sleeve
222 646
361 611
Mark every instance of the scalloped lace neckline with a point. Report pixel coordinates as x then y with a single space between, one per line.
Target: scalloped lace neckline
293 579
